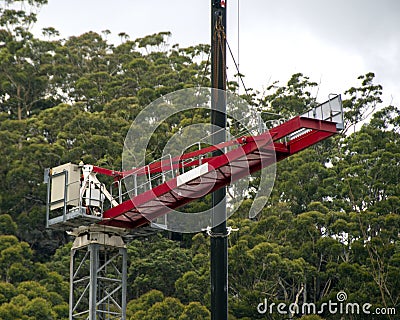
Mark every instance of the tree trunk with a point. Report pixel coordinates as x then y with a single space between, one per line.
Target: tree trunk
19 102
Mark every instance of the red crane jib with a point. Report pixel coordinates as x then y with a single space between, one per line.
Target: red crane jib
252 153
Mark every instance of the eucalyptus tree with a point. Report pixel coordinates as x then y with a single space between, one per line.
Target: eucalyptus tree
25 62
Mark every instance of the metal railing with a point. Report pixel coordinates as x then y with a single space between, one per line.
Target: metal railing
141 179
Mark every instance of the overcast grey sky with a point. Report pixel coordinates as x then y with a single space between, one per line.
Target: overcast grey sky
332 42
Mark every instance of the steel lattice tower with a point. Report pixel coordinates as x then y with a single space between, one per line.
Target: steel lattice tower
98 275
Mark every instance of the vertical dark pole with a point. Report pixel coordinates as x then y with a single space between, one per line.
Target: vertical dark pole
219 241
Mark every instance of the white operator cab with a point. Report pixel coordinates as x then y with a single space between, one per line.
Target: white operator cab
75 197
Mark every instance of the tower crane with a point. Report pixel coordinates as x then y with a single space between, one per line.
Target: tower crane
99 216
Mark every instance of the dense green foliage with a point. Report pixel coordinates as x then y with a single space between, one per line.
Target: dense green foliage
331 224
